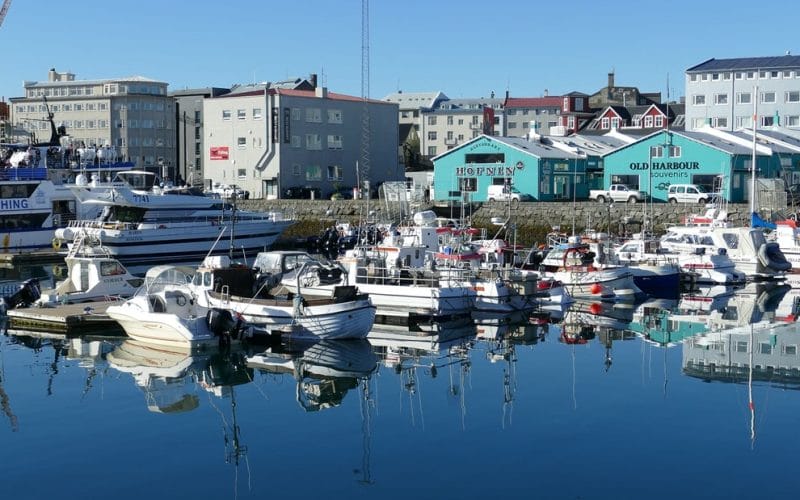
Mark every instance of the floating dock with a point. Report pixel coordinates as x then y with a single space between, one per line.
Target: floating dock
35 257
70 319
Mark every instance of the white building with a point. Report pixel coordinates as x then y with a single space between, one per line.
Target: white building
278 142
721 92
134 115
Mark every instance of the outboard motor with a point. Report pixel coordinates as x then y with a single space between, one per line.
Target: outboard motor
29 292
221 321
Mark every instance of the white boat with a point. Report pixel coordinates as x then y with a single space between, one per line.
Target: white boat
343 314
746 247
699 267
144 223
92 275
572 264
164 311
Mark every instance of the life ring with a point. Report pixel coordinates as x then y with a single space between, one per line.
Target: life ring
56 244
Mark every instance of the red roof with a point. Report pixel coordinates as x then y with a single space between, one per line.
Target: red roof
534 102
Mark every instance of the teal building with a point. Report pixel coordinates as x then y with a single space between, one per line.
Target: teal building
541 170
717 160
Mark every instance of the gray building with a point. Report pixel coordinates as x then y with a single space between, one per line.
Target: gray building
277 140
134 115
189 131
526 113
456 121
722 92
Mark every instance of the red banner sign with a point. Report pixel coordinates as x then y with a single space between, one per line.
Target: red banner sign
219 152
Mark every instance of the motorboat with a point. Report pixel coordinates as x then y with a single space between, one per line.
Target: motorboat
344 314
141 222
92 275
747 247
165 311
573 264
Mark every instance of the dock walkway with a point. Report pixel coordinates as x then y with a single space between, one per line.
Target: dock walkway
70 319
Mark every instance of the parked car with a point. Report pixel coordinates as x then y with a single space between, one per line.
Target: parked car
302 193
227 191
688 193
617 192
500 192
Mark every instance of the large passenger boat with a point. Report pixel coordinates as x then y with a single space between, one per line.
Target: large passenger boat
144 222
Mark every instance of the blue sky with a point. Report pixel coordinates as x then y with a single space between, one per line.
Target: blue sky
464 48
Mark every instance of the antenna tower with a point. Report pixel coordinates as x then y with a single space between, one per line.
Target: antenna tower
365 122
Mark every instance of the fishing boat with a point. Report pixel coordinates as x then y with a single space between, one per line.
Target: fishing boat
343 314
92 275
142 222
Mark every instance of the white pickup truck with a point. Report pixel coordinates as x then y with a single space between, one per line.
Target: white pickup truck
617 192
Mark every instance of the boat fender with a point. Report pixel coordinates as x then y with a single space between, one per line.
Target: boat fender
56 244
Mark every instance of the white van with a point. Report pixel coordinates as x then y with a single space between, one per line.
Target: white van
499 192
688 193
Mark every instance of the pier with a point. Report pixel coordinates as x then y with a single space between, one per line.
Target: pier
69 319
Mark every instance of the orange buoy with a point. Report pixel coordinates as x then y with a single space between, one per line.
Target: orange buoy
596 288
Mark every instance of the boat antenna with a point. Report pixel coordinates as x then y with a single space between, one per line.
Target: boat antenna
222 231
753 176
233 224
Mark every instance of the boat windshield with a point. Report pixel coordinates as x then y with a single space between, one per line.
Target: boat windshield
163 277
138 179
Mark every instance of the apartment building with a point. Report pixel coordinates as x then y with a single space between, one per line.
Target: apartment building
722 93
457 121
134 115
288 142
526 113
189 130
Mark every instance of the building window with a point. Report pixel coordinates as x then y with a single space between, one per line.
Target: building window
296 141
334 116
699 100
615 122
674 151
768 97
739 75
656 151
791 120
295 114
432 135
743 98
431 120
659 121
257 115
313 142
715 76
648 121
790 350
313 115
432 150
296 170
226 114
745 121
605 123
510 125
241 142
726 76
313 173
449 120
721 99
241 173
692 78
334 142
793 96
334 173
721 122
767 121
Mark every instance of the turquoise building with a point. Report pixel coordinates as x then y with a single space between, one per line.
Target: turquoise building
543 171
720 161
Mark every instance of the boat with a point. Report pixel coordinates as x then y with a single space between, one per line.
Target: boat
164 311
343 314
92 275
141 222
573 264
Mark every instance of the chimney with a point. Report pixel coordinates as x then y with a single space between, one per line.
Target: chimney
546 93
321 92
312 79
52 75
610 81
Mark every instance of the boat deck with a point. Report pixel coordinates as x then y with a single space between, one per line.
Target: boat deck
71 319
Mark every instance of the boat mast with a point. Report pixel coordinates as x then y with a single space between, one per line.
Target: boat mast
753 176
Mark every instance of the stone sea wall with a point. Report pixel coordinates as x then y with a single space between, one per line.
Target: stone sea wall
533 220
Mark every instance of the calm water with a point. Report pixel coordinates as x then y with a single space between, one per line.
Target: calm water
605 402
